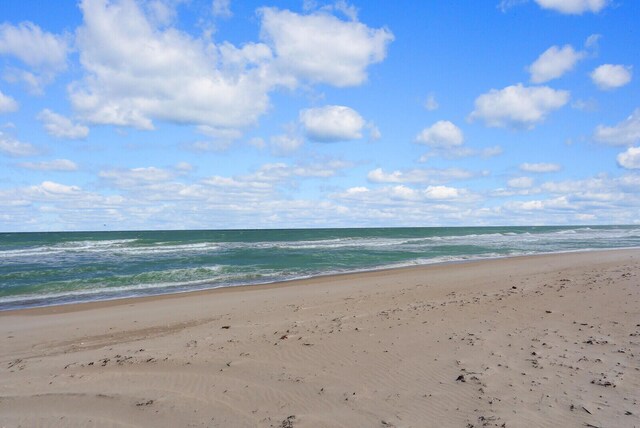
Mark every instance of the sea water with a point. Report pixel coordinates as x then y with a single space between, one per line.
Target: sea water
42 269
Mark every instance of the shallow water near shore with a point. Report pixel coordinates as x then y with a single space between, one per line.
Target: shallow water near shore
41 269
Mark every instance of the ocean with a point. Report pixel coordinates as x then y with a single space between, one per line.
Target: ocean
43 269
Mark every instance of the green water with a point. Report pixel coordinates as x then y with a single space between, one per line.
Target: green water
38 269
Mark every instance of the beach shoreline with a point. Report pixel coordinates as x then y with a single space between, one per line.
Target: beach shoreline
88 305
525 341
38 270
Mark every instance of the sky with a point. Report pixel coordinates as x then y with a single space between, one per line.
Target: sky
221 114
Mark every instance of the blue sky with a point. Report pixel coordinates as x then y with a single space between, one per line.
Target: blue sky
177 114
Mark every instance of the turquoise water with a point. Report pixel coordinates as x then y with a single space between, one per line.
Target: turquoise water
41 269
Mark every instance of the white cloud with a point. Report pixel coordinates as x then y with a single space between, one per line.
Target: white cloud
53 165
553 63
540 167
51 188
44 52
630 159
349 11
431 103
162 12
574 7
609 76
137 73
426 176
285 144
610 200
490 152
34 47
442 134
410 198
625 133
274 172
13 147
332 123
520 182
184 167
221 8
322 48
518 105
559 203
442 192
220 201
133 177
220 133
356 190
7 104
374 132
61 127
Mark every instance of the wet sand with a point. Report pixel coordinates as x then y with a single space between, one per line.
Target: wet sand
550 340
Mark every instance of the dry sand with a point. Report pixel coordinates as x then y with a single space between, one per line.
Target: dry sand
548 340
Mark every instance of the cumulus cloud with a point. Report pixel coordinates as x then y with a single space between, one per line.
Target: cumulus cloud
610 76
222 138
285 144
442 134
13 147
231 192
374 132
45 53
518 105
52 188
553 63
276 172
34 47
132 177
53 165
520 182
332 123
442 192
137 72
490 152
162 12
321 48
625 133
59 126
7 104
390 195
221 8
184 167
540 167
424 175
630 159
574 7
341 6
559 203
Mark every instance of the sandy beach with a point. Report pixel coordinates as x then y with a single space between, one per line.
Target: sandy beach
551 340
